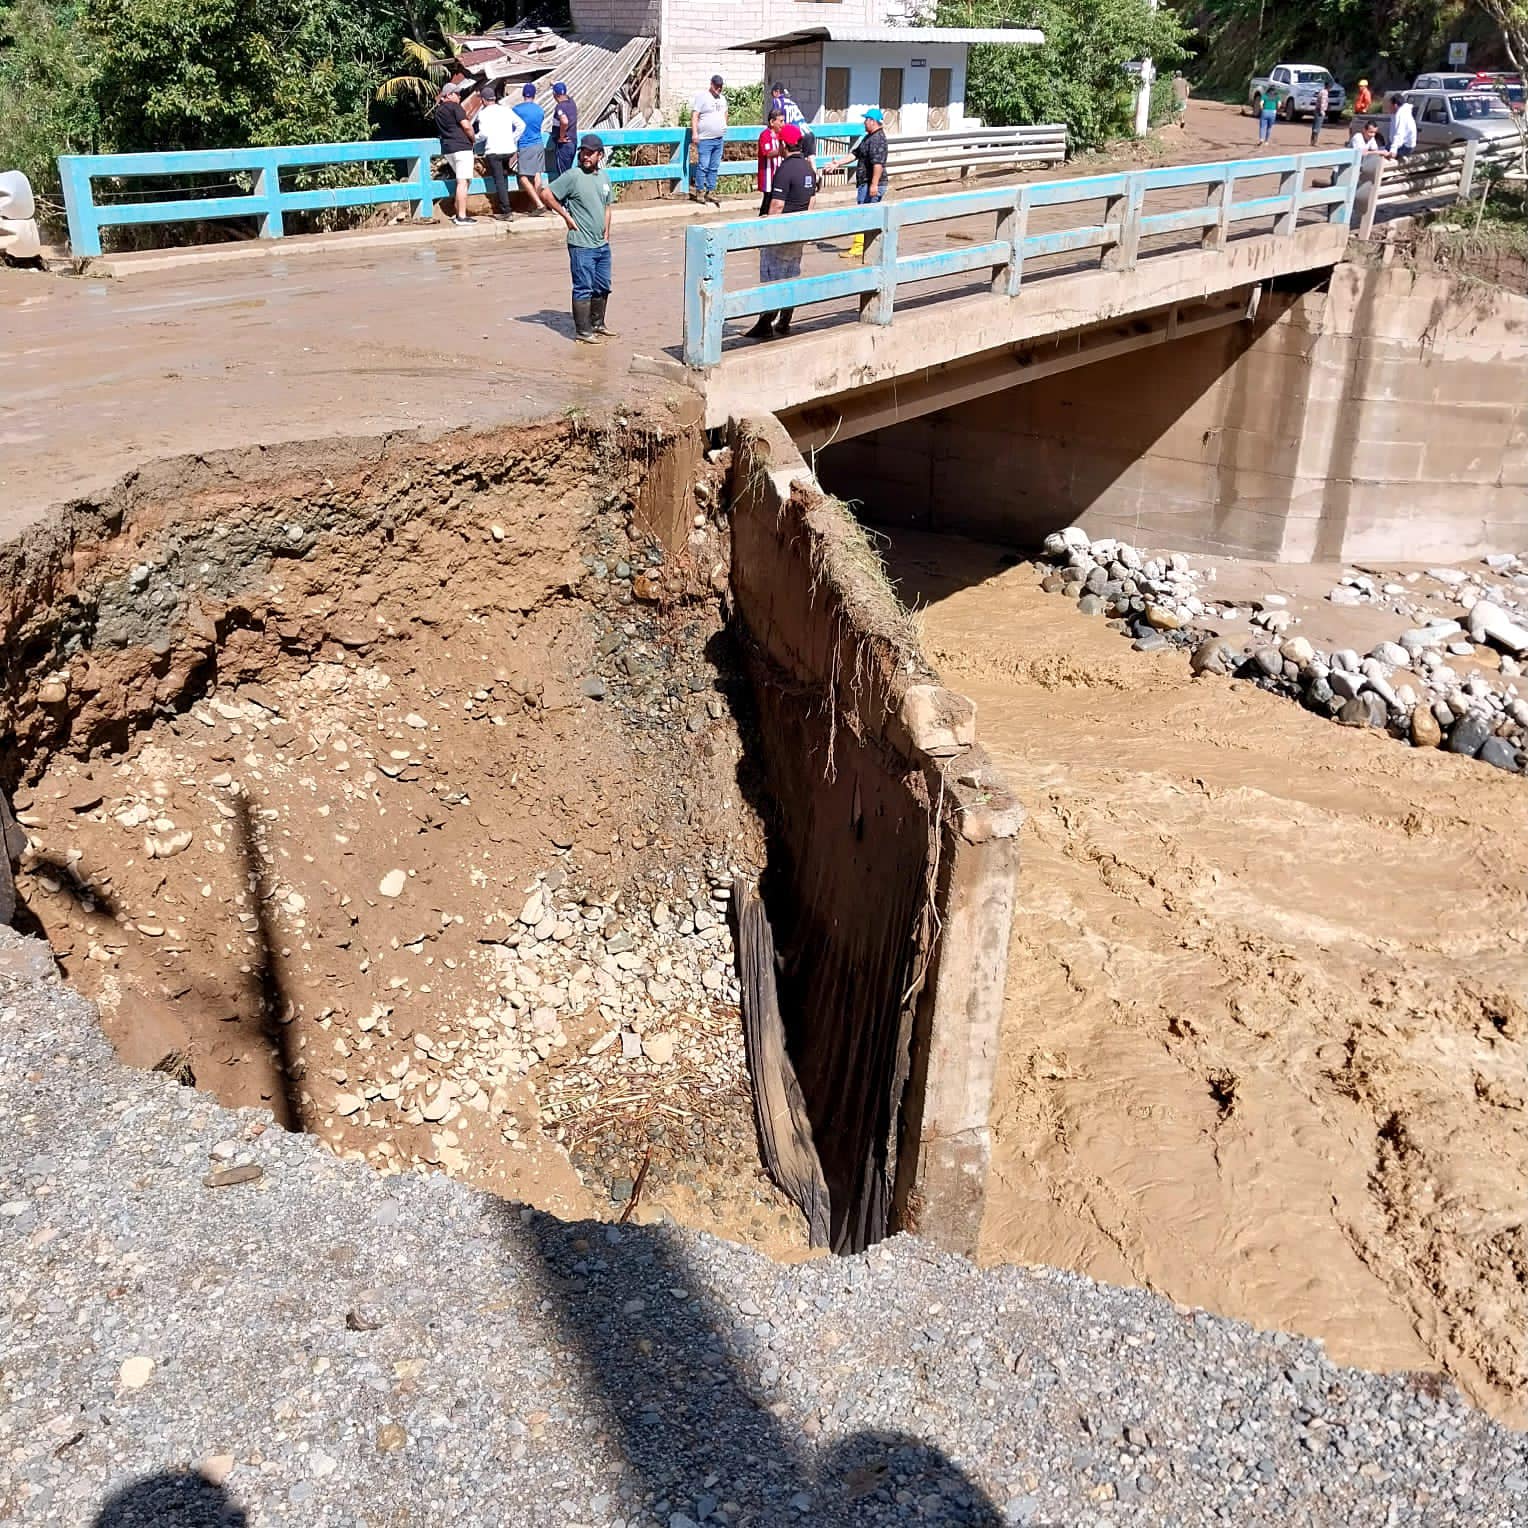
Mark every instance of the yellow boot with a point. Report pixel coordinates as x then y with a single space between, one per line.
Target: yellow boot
856 249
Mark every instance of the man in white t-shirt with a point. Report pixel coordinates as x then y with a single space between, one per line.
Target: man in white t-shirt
500 128
1403 127
708 132
1365 139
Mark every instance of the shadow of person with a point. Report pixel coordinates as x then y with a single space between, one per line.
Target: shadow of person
694 1392
172 1499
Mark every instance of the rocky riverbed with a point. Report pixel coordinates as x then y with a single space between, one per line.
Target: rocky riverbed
1445 674
208 1320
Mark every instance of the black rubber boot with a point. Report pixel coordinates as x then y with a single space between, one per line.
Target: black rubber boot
597 314
783 322
763 329
583 328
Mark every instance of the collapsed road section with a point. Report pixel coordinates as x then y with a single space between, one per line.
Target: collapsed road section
400 788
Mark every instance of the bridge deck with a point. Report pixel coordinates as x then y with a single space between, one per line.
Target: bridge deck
102 377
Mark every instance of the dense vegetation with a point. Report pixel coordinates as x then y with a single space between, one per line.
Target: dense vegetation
1389 42
1078 76
120 75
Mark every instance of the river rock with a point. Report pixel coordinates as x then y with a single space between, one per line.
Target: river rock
1501 753
1392 653
1163 619
1490 623
1297 650
1420 638
392 884
1425 731
1346 683
1268 661
1318 694
1090 604
1469 733
1212 656
1366 710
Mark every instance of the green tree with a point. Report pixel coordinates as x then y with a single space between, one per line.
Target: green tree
1511 17
1387 41
1078 75
194 74
47 91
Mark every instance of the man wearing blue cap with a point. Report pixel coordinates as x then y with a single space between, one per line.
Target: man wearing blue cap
868 156
564 133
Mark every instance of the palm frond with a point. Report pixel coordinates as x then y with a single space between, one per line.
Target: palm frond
406 87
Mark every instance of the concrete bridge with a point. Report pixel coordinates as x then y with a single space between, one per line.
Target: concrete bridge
964 295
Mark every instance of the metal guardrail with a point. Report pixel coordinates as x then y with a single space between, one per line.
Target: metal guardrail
267 201
1430 175
708 304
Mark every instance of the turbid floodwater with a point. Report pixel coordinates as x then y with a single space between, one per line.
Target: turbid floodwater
1266 1038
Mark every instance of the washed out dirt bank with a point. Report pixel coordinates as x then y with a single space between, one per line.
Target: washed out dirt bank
1266 1030
392 786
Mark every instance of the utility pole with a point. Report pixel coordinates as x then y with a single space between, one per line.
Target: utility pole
1143 96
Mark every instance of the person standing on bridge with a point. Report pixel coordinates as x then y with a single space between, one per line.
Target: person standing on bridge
564 133
530 160
1403 127
501 129
868 156
772 151
794 190
780 100
582 198
456 140
708 134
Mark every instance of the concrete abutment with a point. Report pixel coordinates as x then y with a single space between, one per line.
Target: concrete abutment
1380 414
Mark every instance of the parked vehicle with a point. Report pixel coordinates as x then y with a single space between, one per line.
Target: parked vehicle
1444 82
1301 84
1508 86
1454 116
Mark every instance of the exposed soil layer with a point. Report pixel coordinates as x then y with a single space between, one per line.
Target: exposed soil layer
1266 1031
391 797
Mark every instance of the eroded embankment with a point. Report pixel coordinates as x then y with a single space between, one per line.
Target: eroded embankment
393 786
1265 1043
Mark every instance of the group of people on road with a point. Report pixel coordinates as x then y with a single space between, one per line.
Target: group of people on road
531 143
473 120
1269 100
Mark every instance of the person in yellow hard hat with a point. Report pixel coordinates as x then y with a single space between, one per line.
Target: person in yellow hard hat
1363 100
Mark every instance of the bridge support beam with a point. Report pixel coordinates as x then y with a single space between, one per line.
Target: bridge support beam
837 419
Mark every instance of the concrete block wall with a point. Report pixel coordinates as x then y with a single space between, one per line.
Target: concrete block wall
1385 417
695 38
634 18
800 71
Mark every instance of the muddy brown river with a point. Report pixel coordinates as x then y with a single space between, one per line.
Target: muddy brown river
1266 1042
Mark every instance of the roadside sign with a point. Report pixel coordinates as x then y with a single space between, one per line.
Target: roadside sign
1457 53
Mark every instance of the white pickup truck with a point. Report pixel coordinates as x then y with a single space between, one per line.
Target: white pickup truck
1299 85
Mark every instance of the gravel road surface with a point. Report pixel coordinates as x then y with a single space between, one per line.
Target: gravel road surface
204 1320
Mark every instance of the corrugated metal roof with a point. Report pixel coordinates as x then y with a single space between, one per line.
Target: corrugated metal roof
1025 36
595 66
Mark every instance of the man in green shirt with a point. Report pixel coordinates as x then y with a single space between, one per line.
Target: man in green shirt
582 198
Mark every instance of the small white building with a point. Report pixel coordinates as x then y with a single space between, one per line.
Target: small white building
916 75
